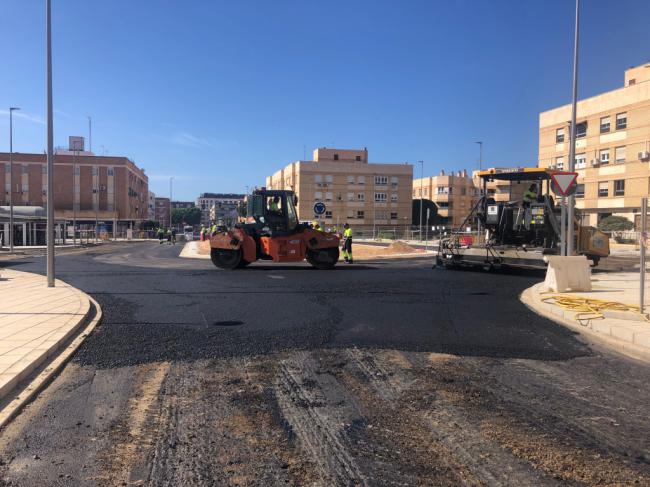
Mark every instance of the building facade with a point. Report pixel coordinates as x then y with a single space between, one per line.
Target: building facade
162 212
366 195
219 207
88 188
151 206
612 147
182 204
454 194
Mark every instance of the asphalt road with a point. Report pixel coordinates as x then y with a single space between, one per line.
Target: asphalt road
381 373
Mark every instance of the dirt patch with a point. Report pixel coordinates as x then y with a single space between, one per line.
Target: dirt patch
204 247
399 247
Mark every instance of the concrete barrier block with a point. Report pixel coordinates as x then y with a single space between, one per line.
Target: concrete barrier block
570 273
626 332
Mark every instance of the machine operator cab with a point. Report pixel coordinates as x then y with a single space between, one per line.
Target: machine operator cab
273 212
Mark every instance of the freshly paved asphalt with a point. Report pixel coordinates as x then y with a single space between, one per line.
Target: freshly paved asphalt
159 307
379 373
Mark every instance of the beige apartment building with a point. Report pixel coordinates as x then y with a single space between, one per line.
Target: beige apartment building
455 194
612 147
366 195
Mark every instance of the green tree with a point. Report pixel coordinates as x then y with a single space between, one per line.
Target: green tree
149 225
615 223
189 216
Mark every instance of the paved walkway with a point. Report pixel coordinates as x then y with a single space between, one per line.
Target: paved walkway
624 331
34 322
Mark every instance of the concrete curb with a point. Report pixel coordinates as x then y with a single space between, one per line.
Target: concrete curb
26 386
619 335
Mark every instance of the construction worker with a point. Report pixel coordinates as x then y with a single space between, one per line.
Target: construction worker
347 243
174 236
213 228
274 204
530 195
202 233
161 235
169 236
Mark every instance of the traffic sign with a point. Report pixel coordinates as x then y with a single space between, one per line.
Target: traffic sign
319 208
564 183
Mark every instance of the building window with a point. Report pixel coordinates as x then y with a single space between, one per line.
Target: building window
7 187
580 190
25 188
350 214
393 198
328 214
381 180
318 196
350 179
619 187
581 161
559 163
394 181
361 196
25 169
8 168
559 136
604 124
604 156
328 196
44 169
336 157
361 180
350 196
448 205
111 171
360 214
318 178
621 121
581 130
463 191
380 197
619 154
393 215
95 170
357 158
329 178
603 189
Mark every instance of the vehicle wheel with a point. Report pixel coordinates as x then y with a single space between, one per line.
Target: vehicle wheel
323 258
226 258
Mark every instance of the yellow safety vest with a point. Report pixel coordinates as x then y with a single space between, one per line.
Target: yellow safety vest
347 233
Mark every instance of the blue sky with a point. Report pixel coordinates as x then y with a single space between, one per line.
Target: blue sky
218 93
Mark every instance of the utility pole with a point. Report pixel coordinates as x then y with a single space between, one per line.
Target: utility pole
421 195
50 147
570 234
11 178
90 134
170 201
74 198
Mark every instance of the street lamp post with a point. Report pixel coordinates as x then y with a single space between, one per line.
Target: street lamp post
90 134
170 201
480 155
74 198
11 178
572 138
50 147
421 194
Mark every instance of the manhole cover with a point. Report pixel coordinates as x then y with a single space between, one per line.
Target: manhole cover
228 323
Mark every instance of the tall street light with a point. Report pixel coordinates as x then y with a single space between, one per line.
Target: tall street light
480 155
50 147
572 139
11 178
90 134
170 201
421 194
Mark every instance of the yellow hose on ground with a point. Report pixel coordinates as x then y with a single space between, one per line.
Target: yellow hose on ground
590 309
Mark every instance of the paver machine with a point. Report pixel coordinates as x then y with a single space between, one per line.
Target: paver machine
515 232
271 231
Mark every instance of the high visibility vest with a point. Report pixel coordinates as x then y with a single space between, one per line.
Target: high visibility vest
529 196
347 233
214 229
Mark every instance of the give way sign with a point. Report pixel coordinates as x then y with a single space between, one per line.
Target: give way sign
564 183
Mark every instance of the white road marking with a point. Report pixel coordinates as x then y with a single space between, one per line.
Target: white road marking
275 277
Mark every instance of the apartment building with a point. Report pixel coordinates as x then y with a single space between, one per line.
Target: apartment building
151 206
219 207
108 189
162 212
454 194
612 147
182 204
366 195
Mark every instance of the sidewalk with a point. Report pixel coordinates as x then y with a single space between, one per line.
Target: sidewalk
35 322
624 331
